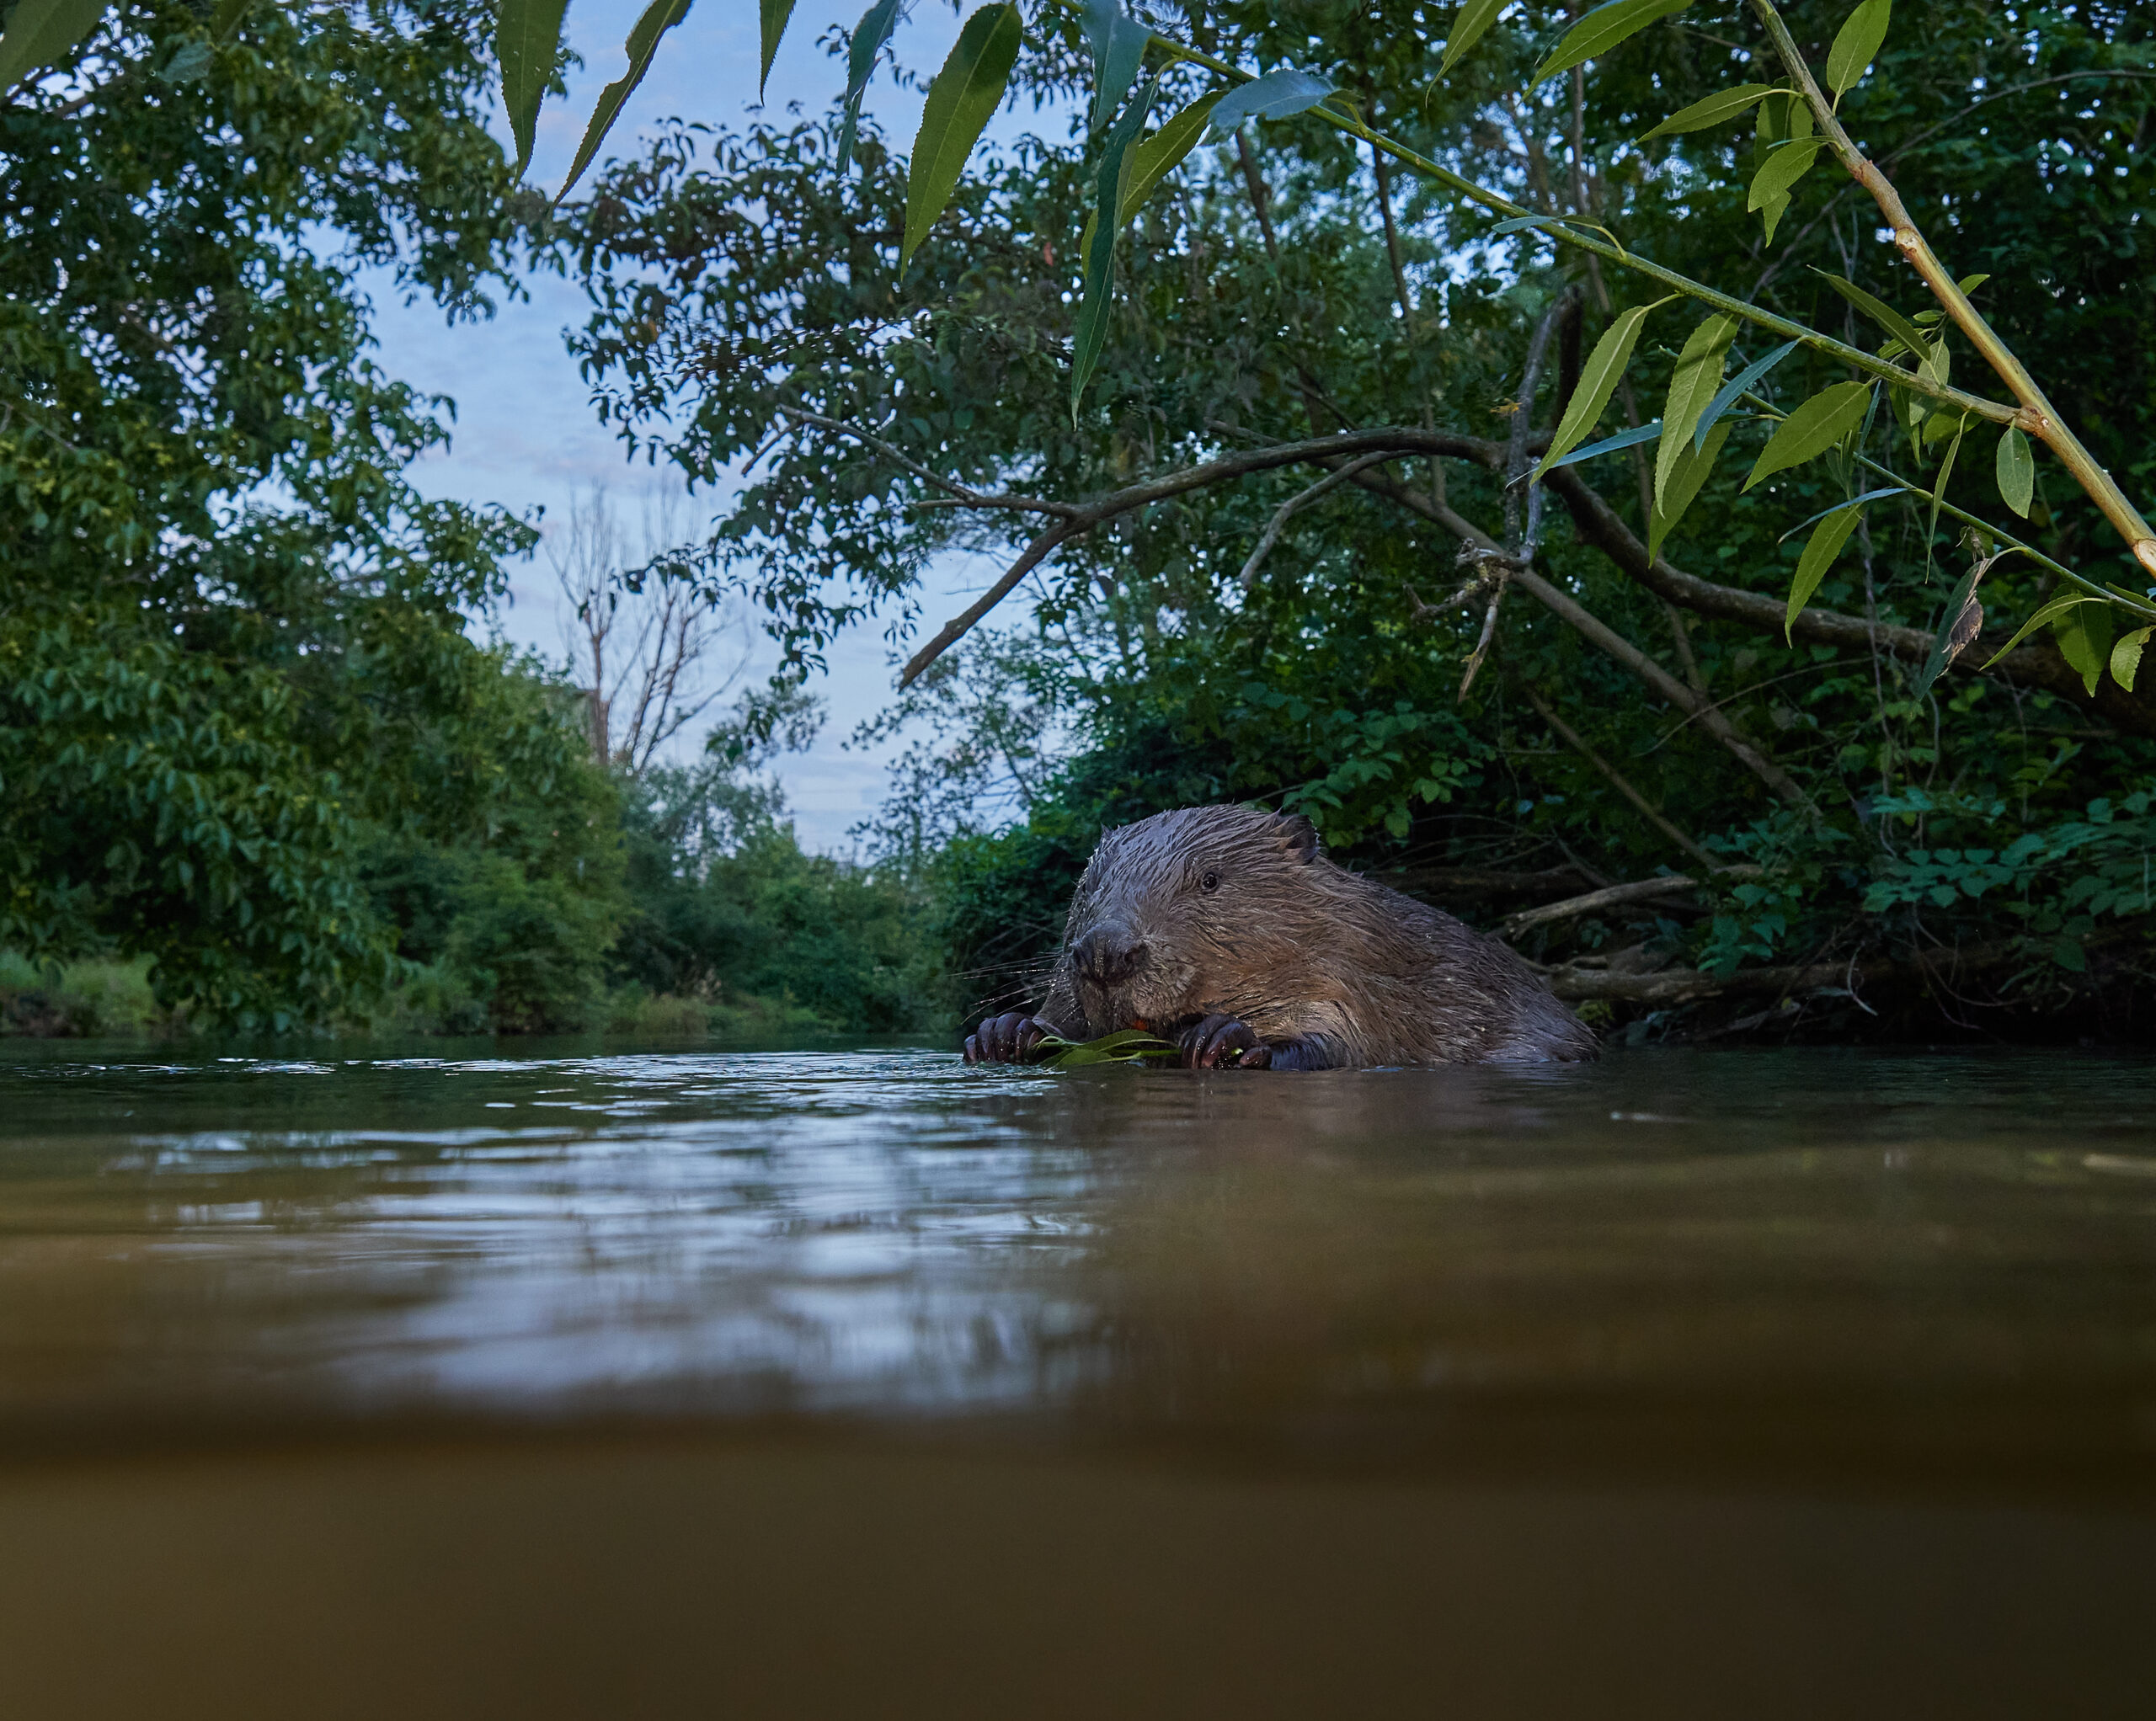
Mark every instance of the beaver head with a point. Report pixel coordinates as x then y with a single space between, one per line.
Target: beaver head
1161 927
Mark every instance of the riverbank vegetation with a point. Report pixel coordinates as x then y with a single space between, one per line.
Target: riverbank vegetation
249 739
259 773
1285 544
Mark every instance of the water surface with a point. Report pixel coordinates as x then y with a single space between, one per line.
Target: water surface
1910 1270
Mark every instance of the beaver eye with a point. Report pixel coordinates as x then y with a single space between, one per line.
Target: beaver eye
1210 882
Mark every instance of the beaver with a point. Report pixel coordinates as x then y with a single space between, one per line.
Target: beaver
1225 929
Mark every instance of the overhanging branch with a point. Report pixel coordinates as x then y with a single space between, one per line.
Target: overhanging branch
1080 518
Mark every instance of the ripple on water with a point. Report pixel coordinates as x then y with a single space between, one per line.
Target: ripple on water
1732 1248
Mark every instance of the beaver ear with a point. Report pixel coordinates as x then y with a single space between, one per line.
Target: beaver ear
1298 836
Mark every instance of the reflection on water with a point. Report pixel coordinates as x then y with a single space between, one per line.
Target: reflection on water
1780 1259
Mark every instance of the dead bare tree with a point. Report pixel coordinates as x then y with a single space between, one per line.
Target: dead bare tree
649 653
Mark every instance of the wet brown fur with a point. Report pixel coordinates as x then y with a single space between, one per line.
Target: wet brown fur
1331 967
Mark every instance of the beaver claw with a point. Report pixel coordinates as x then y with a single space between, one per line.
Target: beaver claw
1223 1043
1011 1038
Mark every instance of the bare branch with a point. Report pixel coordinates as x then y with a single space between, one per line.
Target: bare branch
1384 175
1332 480
1575 983
959 625
1572 738
1615 896
1259 200
1314 450
1569 610
964 495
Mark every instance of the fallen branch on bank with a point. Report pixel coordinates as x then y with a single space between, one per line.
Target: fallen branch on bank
1444 884
1615 896
1949 967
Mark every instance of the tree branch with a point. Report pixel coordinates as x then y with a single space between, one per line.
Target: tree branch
963 495
1572 739
2037 416
1279 524
1078 519
1615 896
1597 523
1570 610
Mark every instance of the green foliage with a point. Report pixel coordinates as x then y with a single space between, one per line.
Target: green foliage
1329 680
960 102
1602 29
1598 380
1125 1046
641 47
244 733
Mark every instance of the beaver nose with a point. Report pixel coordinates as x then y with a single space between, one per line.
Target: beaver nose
1108 955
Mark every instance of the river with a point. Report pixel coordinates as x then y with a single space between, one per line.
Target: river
1691 1383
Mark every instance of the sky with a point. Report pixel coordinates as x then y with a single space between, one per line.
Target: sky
525 433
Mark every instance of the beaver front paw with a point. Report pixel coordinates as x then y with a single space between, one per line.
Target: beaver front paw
1013 1037
1223 1043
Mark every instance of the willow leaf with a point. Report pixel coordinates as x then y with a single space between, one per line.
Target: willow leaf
1599 379
1600 31
1957 627
2017 472
527 43
1692 387
1812 429
1472 24
1109 183
659 18
2053 612
2126 657
2084 641
862 47
773 17
1691 471
42 33
1164 151
1274 96
1125 1046
1611 445
1884 315
1726 105
1787 165
1118 42
960 103
1878 495
1820 550
1856 43
1939 495
1735 387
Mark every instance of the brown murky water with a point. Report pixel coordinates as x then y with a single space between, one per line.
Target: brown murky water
791 1383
